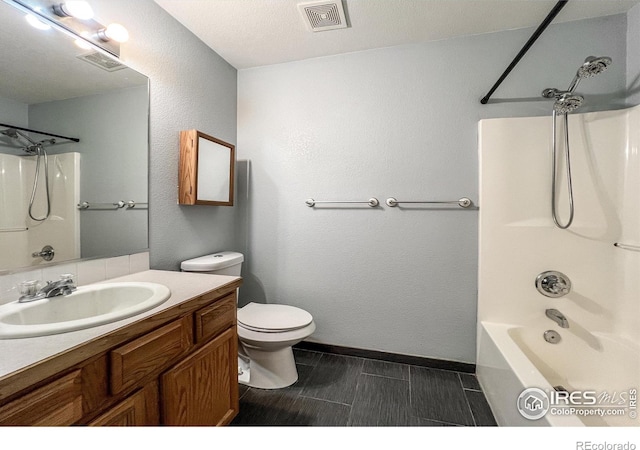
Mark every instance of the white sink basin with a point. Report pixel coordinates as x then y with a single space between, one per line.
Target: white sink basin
87 307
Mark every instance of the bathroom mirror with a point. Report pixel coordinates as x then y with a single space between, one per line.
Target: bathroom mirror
206 170
89 118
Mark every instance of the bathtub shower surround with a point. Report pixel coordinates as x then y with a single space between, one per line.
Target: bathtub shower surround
20 235
597 350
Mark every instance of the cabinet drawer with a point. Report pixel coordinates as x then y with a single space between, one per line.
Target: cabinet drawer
57 403
213 319
135 360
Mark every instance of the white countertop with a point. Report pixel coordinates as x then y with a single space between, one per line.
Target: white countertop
17 354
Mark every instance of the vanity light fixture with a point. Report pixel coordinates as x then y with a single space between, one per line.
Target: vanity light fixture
75 19
36 23
82 43
114 31
74 8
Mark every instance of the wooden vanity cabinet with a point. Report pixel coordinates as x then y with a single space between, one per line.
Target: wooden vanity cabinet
182 370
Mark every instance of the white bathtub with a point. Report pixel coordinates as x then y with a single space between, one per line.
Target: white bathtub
512 358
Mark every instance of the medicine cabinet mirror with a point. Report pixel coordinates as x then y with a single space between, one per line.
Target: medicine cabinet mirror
207 168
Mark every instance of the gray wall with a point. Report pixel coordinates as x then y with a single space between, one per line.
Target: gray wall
113 132
13 112
633 55
395 122
191 87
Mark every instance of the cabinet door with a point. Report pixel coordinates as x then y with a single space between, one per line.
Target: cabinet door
135 410
206 170
203 388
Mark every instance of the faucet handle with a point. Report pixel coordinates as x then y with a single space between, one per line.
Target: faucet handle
67 279
558 286
553 284
29 288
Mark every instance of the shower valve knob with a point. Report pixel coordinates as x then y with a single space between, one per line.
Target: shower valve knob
47 253
553 284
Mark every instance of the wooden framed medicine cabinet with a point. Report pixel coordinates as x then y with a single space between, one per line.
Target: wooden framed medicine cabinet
206 172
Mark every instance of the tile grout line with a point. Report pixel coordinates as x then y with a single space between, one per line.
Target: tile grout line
442 421
323 400
460 380
382 376
473 417
354 395
410 393
466 399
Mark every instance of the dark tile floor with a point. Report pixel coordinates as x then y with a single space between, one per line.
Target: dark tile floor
336 390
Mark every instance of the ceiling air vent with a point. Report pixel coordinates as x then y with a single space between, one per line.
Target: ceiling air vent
102 61
323 15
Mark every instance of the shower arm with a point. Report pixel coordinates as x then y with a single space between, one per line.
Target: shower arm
574 84
44 133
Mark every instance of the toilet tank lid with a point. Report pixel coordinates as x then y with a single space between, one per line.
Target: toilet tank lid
215 261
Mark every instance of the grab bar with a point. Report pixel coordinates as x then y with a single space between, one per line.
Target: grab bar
373 202
9 230
635 248
117 205
463 202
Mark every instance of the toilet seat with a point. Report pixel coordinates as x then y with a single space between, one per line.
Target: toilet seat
272 318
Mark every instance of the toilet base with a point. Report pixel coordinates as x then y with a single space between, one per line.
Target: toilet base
269 369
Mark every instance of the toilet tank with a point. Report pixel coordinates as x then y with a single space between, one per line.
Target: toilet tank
221 263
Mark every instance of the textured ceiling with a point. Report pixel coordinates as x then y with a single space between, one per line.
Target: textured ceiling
250 33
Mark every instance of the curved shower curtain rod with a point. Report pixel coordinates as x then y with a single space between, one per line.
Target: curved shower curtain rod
40 132
536 34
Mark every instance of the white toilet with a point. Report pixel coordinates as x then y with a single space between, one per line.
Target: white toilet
266 331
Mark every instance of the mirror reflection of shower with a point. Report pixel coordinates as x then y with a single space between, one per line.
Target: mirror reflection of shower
32 147
566 102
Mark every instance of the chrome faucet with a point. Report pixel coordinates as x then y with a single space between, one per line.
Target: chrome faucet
64 286
557 317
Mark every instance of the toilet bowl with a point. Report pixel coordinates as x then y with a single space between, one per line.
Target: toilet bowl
266 332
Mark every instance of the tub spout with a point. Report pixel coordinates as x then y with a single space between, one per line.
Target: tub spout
557 317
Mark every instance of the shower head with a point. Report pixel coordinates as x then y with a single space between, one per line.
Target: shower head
592 66
30 146
567 103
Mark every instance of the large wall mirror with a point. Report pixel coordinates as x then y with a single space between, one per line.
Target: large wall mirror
73 149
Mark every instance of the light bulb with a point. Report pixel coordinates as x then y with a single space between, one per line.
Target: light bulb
114 31
76 8
37 23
